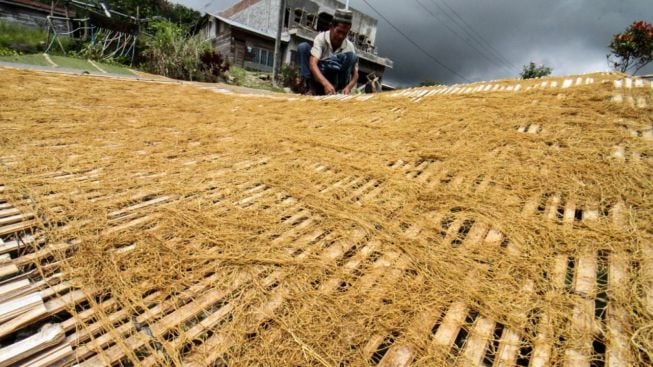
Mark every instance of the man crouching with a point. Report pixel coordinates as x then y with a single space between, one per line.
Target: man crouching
331 64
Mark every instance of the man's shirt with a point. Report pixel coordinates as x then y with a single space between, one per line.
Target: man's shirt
322 46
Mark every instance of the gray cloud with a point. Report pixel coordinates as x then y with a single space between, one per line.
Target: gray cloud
569 35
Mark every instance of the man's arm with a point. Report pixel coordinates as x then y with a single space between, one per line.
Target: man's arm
354 80
317 74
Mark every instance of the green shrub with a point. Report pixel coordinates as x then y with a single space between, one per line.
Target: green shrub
291 78
171 53
238 74
531 71
91 50
21 39
428 83
213 66
65 46
7 52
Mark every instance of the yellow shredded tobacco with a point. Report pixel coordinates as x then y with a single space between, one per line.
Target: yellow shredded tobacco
491 226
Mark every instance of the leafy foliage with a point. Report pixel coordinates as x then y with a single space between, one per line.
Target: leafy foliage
531 71
171 53
7 52
427 83
164 47
632 49
291 78
154 8
20 38
214 65
238 75
179 14
91 51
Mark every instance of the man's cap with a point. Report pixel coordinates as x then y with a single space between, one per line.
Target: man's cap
343 16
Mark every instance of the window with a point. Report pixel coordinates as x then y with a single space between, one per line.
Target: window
252 54
299 14
286 18
260 56
309 21
264 57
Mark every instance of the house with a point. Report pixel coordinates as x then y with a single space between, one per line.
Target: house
32 13
245 33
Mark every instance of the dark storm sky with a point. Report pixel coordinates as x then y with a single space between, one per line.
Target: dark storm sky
492 39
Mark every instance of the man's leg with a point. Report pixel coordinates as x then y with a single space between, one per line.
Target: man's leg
337 68
331 68
304 55
347 61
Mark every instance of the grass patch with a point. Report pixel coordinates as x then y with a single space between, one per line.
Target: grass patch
239 75
36 59
65 62
251 79
22 38
114 69
73 63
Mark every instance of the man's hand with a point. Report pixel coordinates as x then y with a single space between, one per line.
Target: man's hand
354 81
328 88
317 75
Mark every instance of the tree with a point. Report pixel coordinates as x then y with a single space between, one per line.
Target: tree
427 83
531 71
175 13
179 14
632 49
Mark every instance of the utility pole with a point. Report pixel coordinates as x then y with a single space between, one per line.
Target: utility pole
138 33
276 63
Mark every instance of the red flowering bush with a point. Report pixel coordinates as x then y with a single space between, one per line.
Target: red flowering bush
632 49
213 64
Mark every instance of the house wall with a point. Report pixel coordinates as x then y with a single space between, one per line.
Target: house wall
223 45
241 48
362 24
291 51
263 15
28 17
365 67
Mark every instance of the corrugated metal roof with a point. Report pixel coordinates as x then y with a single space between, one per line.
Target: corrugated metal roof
284 36
214 8
203 6
35 5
